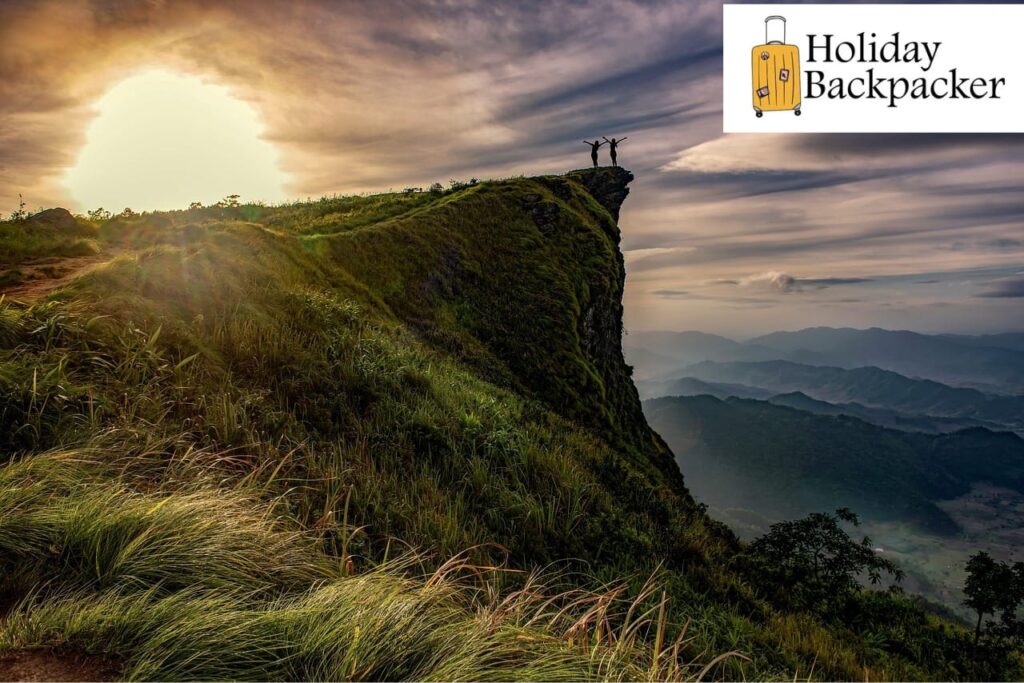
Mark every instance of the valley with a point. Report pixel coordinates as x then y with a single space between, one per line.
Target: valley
394 436
936 471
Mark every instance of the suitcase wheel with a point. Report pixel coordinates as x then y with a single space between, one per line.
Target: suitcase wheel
759 114
797 112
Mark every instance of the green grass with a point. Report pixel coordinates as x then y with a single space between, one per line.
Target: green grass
206 583
221 441
23 240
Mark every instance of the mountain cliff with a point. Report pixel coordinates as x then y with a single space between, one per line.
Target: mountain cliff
379 437
869 386
492 269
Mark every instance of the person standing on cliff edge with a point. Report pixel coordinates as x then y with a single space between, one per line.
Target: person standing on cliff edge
594 146
613 148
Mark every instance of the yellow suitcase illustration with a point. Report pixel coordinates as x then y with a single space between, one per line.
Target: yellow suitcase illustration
775 68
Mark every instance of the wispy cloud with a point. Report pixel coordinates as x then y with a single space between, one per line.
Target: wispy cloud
366 96
789 284
1005 289
369 96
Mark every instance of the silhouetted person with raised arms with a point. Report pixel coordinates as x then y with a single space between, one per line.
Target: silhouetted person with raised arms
612 148
594 146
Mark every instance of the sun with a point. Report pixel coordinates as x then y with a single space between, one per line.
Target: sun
162 140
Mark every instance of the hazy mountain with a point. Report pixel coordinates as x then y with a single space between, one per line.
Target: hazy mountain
648 351
678 345
990 363
691 386
883 417
1010 340
646 363
784 462
868 386
954 361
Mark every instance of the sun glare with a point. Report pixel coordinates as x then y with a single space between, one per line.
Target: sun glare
162 140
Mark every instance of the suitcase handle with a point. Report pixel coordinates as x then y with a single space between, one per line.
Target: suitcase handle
774 42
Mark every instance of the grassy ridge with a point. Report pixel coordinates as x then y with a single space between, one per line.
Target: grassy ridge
26 245
50 233
207 583
272 403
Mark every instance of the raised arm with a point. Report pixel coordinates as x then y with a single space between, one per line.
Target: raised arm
606 139
587 143
622 139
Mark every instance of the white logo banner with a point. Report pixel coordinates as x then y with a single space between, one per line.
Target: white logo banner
873 69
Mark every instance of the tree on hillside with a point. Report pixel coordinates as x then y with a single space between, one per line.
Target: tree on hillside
995 588
21 214
812 563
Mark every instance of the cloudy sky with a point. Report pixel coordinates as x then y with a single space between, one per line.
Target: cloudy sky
912 232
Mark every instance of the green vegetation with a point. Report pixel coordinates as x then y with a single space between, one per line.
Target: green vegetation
992 588
50 233
248 444
883 474
813 564
867 386
207 583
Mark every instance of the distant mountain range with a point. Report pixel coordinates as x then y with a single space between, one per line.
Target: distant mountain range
882 417
869 387
991 363
784 462
692 386
662 354
1013 341
913 432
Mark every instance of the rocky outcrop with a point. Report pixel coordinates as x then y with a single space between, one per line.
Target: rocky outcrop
609 185
57 220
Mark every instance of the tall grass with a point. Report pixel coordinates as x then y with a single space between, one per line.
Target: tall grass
216 446
59 523
202 583
23 240
376 626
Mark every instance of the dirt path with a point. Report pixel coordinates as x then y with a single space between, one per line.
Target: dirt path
52 665
40 276
37 278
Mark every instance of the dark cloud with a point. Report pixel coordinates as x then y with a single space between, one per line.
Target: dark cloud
1004 289
1004 243
831 281
622 86
394 93
789 284
363 96
874 144
748 183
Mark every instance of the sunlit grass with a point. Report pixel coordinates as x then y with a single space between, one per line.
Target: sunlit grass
248 444
205 583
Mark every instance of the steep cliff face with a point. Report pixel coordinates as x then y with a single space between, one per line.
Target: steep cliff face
498 268
601 323
608 185
439 371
